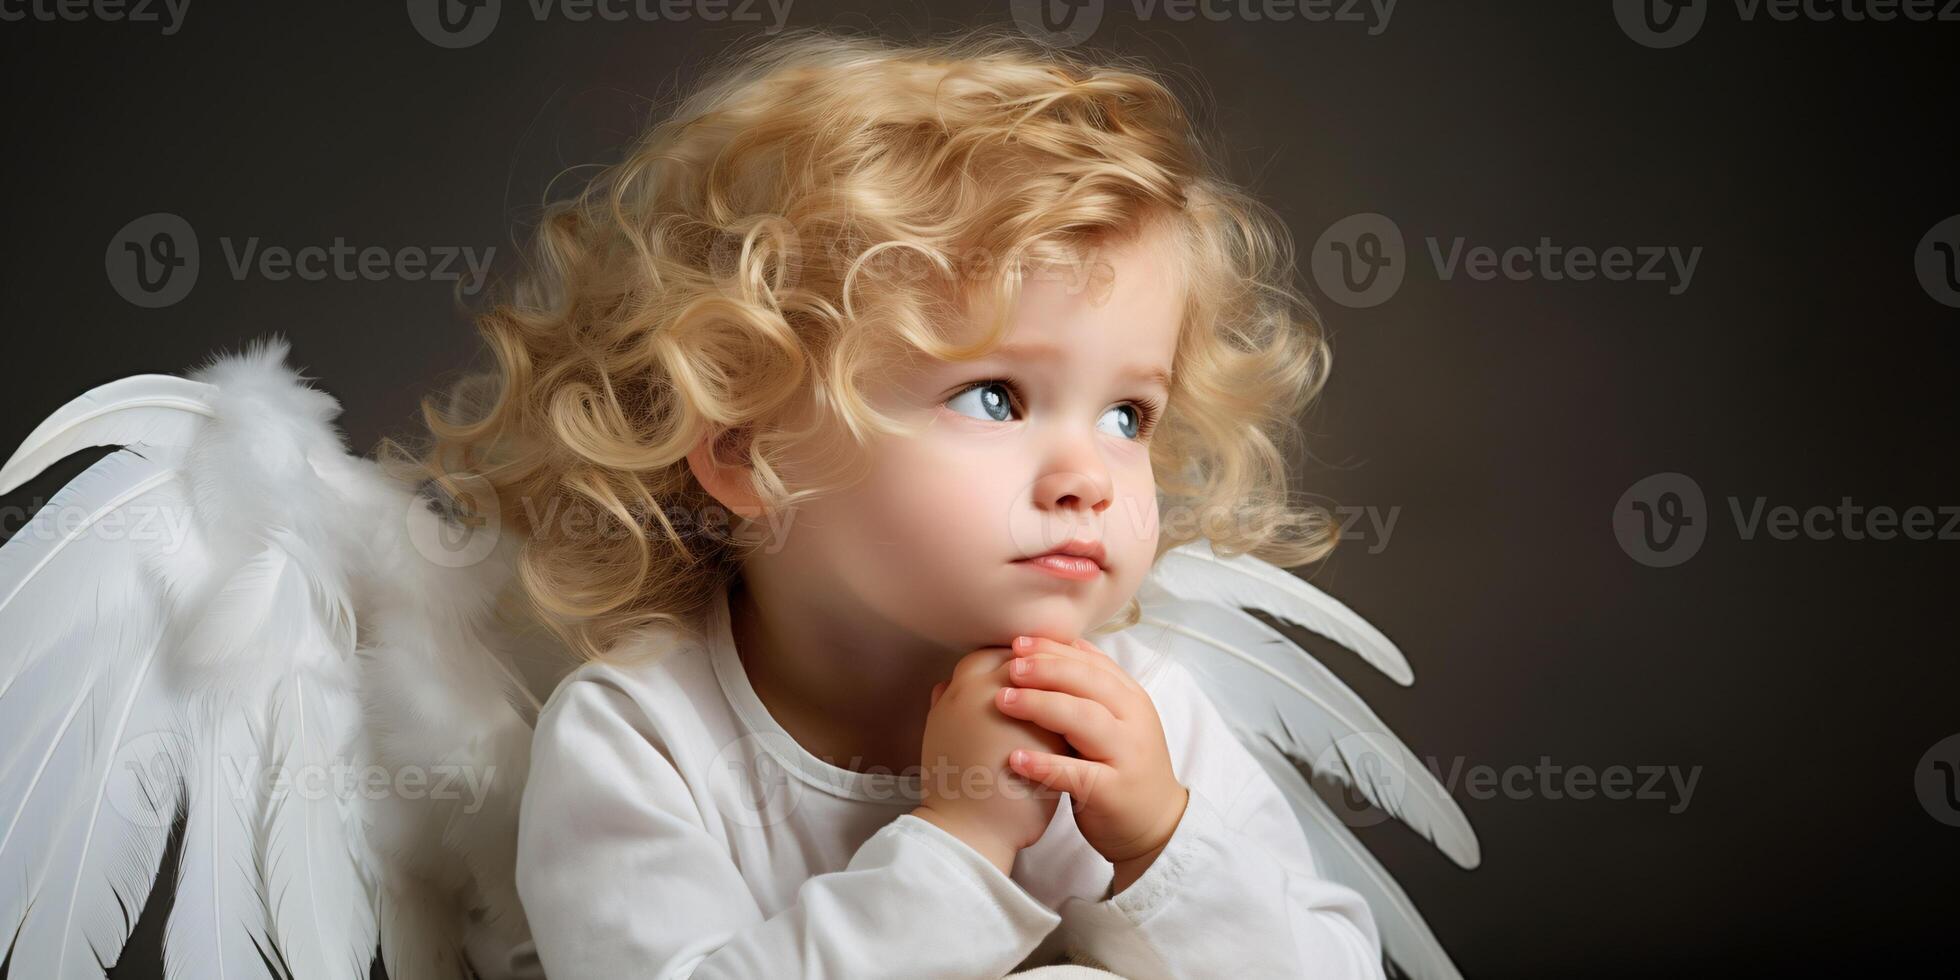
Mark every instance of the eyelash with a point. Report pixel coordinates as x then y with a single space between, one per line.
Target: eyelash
1148 411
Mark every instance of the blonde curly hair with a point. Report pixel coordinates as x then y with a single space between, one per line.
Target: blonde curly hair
737 270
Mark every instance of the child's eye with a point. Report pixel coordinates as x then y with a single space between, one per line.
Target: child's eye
1134 419
995 400
1129 421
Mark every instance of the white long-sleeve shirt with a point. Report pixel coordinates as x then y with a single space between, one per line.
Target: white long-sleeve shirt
671 828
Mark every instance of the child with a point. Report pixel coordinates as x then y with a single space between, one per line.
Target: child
944 333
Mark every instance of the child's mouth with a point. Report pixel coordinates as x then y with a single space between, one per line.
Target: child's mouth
1064 566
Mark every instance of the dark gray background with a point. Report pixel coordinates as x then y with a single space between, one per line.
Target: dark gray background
1807 678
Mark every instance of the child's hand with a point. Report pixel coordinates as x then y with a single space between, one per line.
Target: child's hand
1127 799
968 789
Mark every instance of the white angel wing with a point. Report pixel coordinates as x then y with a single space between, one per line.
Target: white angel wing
226 622
1298 719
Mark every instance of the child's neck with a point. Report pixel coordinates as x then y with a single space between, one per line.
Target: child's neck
851 697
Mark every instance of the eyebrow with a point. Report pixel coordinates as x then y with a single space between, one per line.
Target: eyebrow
1135 372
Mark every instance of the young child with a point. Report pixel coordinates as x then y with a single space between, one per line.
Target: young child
945 333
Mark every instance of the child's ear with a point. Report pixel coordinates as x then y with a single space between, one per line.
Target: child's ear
727 482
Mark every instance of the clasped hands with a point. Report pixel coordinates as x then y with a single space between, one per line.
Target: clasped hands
1063 717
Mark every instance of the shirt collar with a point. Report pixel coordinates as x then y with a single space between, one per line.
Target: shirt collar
893 789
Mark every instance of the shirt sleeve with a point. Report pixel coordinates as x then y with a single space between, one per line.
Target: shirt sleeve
1234 893
621 877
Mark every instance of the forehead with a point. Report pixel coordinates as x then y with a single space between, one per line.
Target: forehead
1120 307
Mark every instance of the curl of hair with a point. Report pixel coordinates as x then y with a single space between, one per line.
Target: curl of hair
820 204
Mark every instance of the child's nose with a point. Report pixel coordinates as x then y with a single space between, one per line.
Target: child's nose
1074 487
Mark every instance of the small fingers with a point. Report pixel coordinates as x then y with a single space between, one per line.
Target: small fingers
1055 673
1080 651
1076 777
1086 724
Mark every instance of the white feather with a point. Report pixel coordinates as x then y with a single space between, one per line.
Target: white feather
220 928
1290 711
104 817
80 643
145 409
228 646
322 908
1195 571
260 620
1267 683
66 530
1339 856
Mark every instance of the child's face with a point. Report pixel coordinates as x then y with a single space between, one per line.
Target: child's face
932 537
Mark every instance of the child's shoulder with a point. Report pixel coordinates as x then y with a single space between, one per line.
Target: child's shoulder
659 677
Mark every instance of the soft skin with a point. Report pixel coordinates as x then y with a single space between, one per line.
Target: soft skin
1127 800
868 597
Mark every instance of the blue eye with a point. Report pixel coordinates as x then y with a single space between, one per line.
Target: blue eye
1129 421
994 401
991 398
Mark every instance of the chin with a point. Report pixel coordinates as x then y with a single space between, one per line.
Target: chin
1059 616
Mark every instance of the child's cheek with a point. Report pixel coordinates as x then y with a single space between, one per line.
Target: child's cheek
949 491
1133 521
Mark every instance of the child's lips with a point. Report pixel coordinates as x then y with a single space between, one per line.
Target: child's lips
1089 549
1070 567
